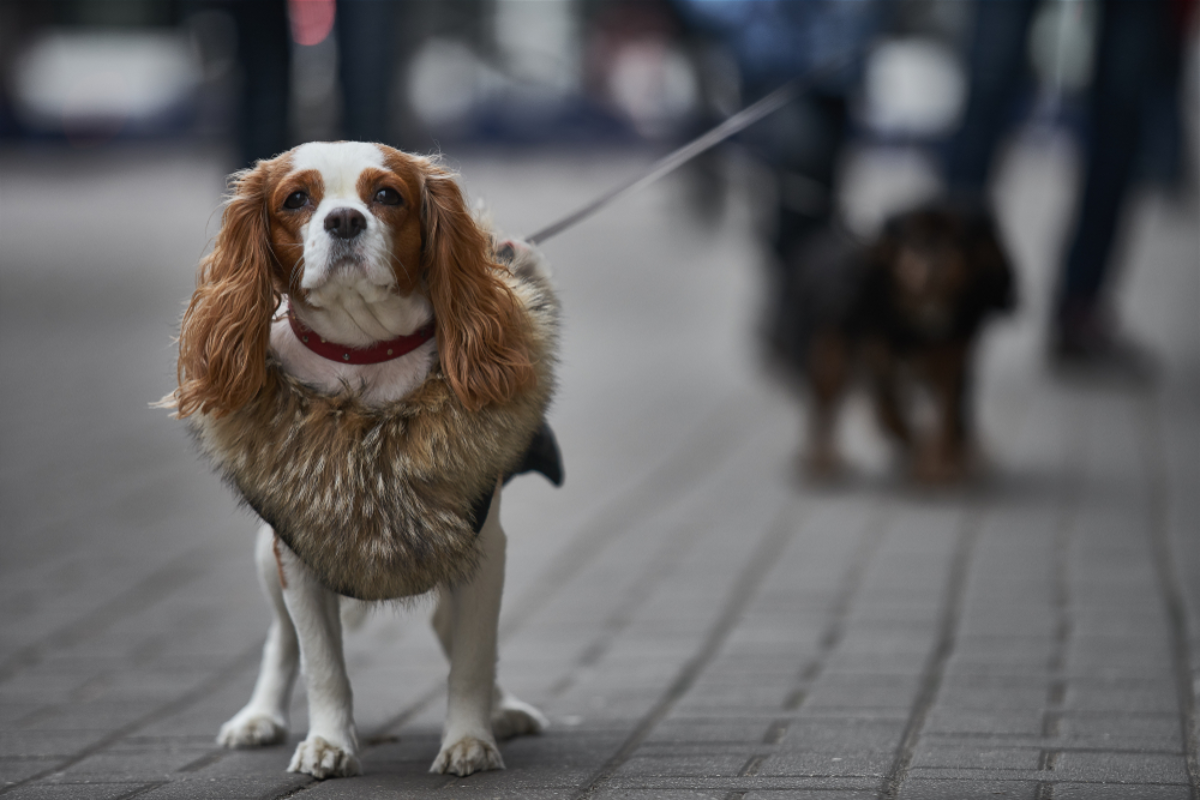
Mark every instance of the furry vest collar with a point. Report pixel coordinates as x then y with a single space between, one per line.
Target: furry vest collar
380 502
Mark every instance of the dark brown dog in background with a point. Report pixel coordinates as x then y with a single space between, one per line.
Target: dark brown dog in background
905 311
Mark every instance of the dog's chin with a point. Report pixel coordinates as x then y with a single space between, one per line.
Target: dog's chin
934 320
349 274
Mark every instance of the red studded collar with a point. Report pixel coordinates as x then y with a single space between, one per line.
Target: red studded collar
375 354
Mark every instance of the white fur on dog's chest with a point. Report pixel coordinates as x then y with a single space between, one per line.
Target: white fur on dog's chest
378 383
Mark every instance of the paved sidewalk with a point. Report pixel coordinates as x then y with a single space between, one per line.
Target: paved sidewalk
695 621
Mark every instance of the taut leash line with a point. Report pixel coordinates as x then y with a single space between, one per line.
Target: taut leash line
739 121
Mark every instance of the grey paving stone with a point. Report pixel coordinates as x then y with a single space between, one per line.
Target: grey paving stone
82 791
1025 722
967 789
1094 791
1121 768
710 731
841 735
46 744
967 755
1113 730
659 765
833 690
848 763
19 768
1033 694
809 794
127 765
1138 697
199 788
667 794
747 784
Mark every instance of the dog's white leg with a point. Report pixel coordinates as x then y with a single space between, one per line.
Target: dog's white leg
331 747
264 720
511 716
466 623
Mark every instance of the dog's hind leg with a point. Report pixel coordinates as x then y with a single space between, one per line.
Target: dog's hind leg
264 720
944 458
511 716
886 394
478 711
828 372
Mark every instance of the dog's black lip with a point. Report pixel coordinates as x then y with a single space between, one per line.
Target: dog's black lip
345 255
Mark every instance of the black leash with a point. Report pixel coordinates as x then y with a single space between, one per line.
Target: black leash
738 122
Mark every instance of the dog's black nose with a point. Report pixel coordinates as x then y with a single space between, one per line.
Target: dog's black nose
345 223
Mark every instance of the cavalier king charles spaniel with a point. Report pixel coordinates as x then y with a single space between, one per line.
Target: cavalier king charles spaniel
357 269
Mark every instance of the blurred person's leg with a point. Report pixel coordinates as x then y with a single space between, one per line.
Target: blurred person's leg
803 146
997 72
1134 38
367 39
264 51
807 162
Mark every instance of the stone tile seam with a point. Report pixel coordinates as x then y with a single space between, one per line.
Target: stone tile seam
160 583
149 787
663 562
205 688
1169 584
764 557
639 500
870 539
968 534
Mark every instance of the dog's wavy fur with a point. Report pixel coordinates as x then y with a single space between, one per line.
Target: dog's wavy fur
378 501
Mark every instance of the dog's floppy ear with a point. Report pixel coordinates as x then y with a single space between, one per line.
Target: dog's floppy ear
995 283
481 336
992 285
223 338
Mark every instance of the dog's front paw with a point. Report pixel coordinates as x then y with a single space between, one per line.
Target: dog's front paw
252 728
822 465
468 754
321 759
512 717
941 465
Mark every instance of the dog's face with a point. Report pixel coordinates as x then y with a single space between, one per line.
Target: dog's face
346 216
348 225
928 271
944 270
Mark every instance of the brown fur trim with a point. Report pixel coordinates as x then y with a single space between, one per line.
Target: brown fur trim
378 501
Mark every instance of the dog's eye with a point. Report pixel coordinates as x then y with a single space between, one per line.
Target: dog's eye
388 197
296 200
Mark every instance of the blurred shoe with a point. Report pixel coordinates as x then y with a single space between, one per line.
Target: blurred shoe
1097 354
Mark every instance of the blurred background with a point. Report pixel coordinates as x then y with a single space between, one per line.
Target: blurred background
949 84
125 567
266 74
125 116
82 73
120 120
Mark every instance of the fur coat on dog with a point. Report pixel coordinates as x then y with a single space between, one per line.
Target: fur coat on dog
381 502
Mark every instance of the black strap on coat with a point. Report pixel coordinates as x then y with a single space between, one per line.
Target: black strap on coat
542 456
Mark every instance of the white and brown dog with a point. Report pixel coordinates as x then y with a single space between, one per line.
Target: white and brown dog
387 280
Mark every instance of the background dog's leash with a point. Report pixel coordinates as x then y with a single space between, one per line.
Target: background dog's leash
669 163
